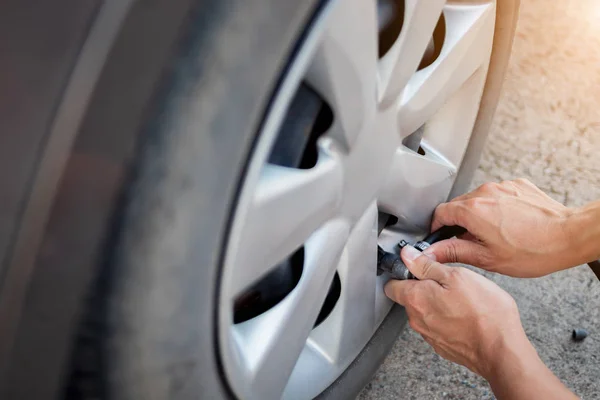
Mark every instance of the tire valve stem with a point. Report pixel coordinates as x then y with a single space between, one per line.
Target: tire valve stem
392 264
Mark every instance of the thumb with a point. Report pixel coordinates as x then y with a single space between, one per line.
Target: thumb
456 251
422 266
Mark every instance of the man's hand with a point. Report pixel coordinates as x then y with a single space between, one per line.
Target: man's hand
465 317
471 321
514 229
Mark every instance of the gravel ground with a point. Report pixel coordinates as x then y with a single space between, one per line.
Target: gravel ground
547 129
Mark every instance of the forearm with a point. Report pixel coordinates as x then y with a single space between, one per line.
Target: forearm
519 374
584 230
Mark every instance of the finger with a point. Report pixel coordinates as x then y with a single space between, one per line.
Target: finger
423 267
457 251
398 290
448 214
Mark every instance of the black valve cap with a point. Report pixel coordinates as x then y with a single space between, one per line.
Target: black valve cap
579 334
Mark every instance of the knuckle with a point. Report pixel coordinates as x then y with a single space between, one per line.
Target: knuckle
483 259
509 187
452 252
489 187
523 181
471 203
477 205
450 213
427 265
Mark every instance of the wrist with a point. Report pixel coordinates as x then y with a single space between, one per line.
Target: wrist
513 356
520 374
583 231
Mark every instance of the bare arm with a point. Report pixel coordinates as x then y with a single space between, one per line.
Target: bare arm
518 373
584 229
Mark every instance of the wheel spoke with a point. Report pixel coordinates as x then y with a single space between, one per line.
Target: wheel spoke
402 60
445 132
288 206
352 320
414 186
271 343
469 31
345 69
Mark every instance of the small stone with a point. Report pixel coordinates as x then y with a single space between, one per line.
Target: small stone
579 334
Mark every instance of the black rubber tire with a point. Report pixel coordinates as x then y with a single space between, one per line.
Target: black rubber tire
140 212
182 75
163 280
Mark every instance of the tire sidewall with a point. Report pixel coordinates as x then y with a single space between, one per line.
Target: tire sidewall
163 294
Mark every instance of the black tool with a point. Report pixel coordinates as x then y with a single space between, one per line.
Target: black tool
392 263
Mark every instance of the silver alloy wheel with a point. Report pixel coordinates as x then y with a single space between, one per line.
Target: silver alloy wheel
362 168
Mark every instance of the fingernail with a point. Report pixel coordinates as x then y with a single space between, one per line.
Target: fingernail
410 253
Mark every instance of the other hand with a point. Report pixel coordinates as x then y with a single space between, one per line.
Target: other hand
465 317
471 321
